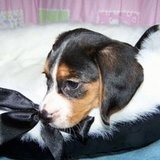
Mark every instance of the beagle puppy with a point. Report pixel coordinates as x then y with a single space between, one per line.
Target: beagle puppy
90 74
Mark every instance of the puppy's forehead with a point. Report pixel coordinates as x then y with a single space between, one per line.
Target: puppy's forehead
77 62
54 57
72 61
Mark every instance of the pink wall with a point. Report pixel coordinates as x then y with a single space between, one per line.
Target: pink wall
15 13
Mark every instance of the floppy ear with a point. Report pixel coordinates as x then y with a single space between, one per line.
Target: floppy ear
121 76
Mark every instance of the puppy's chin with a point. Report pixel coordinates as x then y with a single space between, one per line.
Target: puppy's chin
61 124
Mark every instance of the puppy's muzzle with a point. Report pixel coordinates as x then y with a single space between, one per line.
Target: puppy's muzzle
45 116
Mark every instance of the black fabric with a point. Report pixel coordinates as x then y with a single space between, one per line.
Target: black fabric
54 141
11 99
19 116
14 124
80 131
128 136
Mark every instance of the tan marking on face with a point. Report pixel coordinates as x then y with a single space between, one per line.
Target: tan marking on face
63 71
74 110
92 99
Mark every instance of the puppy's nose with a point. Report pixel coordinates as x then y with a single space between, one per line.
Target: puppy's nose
45 116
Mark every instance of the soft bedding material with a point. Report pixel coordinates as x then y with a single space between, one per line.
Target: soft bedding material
22 56
147 153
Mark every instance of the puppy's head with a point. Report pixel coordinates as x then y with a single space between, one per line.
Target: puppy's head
85 70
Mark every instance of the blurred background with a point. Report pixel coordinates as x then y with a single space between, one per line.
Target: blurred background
18 13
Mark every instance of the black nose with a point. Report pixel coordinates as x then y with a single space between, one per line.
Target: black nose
45 116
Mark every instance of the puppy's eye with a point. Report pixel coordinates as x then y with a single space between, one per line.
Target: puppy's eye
72 89
71 85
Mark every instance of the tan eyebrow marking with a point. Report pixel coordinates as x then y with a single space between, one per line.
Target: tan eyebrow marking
63 71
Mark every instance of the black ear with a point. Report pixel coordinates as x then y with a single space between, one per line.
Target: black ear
121 76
